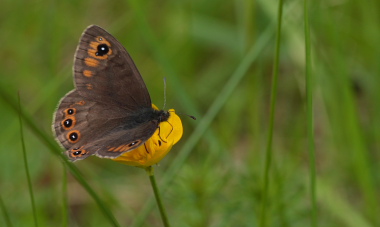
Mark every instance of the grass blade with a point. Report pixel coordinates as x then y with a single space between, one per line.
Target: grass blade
310 117
65 202
337 205
25 158
5 213
268 158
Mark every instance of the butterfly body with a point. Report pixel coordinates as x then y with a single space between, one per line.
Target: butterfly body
110 111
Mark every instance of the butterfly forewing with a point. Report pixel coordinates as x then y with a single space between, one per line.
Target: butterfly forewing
104 71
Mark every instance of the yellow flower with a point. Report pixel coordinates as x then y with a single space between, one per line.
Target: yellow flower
157 146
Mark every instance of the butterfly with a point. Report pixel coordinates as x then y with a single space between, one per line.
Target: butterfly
110 111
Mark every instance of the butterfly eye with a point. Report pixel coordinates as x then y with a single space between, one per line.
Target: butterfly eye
70 111
103 49
68 123
73 136
76 153
79 151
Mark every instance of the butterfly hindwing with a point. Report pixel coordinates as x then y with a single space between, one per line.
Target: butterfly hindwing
85 127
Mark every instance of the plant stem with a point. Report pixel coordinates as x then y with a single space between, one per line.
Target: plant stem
7 219
310 117
152 179
273 99
65 204
30 187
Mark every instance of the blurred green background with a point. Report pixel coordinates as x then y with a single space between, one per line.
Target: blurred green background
218 58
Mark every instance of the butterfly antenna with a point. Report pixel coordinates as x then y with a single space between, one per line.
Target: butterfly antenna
191 116
164 93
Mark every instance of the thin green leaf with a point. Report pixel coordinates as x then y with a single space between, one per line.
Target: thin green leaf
5 213
310 117
268 156
25 158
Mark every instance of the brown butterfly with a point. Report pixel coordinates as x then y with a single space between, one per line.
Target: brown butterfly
110 111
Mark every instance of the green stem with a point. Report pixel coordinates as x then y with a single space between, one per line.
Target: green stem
30 187
7 219
152 179
310 117
268 155
65 204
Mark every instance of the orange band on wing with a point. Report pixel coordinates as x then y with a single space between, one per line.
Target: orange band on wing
91 62
88 73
